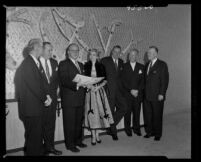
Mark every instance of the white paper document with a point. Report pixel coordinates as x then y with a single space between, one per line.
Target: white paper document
87 80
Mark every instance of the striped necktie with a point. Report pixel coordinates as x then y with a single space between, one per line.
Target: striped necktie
78 67
47 71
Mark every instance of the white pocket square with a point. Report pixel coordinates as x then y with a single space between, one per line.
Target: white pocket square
56 69
140 71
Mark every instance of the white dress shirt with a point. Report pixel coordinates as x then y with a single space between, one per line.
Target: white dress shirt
116 61
75 64
35 60
133 65
151 63
42 60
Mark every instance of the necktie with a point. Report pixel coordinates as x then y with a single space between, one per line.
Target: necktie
47 71
77 65
116 65
150 65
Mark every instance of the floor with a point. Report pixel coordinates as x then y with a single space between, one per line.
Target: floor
175 142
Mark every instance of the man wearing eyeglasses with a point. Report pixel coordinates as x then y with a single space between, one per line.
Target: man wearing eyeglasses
72 98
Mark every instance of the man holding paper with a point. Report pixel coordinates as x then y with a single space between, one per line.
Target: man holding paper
72 98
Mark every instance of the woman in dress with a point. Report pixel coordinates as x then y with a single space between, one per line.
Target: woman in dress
97 110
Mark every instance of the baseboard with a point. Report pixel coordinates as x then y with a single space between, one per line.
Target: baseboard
62 141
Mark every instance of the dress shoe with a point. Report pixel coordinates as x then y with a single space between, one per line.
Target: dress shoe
128 133
98 141
53 151
148 135
82 145
93 143
114 137
138 133
157 138
73 149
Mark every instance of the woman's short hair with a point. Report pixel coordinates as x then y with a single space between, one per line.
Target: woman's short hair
93 50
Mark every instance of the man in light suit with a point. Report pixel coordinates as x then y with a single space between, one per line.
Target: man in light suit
50 75
133 83
32 97
72 98
156 84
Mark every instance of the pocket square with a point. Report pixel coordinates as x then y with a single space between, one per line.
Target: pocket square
56 69
140 71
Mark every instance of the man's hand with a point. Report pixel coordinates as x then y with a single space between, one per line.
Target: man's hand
134 92
48 101
160 97
80 85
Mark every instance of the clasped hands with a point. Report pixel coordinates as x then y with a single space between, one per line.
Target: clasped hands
48 100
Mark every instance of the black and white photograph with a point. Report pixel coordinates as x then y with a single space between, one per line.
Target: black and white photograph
98 81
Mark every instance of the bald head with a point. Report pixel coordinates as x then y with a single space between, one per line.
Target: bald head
73 51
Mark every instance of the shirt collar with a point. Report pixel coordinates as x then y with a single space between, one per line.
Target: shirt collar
72 60
115 59
153 61
43 59
132 63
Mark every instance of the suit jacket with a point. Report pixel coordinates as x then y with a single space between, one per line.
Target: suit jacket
156 82
113 75
31 90
133 80
70 96
54 81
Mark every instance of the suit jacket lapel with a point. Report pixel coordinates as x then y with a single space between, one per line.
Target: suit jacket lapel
136 68
42 71
75 66
154 66
112 63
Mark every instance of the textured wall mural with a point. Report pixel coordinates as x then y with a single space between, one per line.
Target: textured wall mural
96 27
61 27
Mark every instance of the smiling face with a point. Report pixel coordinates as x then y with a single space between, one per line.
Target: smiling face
73 51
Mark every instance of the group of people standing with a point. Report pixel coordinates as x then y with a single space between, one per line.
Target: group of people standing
40 80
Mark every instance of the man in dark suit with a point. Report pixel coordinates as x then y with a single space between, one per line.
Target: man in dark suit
113 66
32 98
72 98
133 82
50 68
156 84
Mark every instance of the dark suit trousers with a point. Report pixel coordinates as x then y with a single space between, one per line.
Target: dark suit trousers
33 135
153 117
49 118
119 102
72 122
134 106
